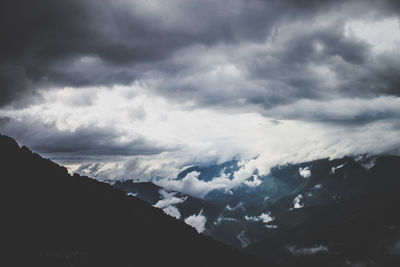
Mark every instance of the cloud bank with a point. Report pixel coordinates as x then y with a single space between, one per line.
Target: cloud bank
142 89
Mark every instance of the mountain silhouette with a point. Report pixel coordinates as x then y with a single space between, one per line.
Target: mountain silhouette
51 218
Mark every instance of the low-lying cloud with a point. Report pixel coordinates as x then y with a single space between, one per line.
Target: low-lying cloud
297 202
305 172
197 221
192 185
172 211
298 251
168 201
244 240
238 206
264 217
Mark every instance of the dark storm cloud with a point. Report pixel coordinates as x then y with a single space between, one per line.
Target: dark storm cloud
49 43
287 75
84 141
349 112
44 41
283 76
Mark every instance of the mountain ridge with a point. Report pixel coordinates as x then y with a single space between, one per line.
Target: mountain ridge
54 219
290 217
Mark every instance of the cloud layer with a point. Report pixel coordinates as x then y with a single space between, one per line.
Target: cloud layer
141 89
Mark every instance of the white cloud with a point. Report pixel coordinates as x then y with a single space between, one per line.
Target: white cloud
264 217
193 186
221 218
305 172
167 203
172 211
333 169
204 135
220 91
238 206
367 163
168 199
296 202
197 221
383 35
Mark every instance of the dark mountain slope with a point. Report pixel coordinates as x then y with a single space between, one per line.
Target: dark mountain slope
146 191
53 219
364 230
360 231
300 202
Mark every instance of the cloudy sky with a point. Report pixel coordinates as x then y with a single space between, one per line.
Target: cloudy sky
142 88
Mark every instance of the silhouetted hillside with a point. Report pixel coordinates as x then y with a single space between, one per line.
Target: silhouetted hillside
360 226
53 219
363 231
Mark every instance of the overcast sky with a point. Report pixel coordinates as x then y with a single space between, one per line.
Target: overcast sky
142 88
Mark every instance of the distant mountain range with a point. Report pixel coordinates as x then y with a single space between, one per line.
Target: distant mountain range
341 212
50 218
